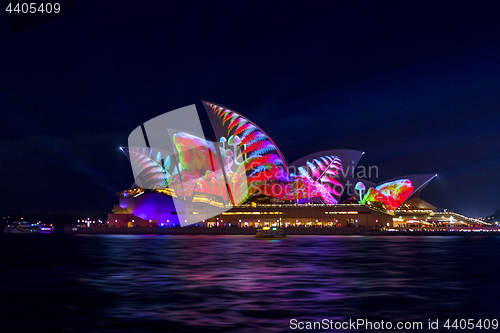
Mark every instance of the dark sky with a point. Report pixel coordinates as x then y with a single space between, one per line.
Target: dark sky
415 85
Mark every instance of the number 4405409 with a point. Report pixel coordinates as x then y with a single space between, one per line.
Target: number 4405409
472 324
25 7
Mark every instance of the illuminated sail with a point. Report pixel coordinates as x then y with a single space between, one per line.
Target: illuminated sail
248 144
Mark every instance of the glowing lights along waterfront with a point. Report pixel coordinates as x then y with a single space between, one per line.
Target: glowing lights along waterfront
243 180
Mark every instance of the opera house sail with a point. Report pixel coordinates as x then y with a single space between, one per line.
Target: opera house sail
181 178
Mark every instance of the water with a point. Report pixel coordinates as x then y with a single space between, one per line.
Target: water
121 283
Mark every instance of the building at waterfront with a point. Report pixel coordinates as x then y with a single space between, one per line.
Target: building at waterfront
244 180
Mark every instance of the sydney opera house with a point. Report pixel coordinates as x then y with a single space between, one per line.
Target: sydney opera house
243 179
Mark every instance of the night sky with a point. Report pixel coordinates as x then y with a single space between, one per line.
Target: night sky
415 85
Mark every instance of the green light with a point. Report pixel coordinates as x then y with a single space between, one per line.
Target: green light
274 228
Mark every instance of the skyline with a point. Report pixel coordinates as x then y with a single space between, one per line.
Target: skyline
414 88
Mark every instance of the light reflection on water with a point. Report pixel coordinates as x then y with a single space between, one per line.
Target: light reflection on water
110 283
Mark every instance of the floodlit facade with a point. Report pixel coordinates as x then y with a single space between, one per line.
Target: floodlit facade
244 180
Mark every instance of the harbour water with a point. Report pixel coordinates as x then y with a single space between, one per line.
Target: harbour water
175 283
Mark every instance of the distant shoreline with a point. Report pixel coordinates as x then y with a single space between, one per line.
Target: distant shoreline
289 231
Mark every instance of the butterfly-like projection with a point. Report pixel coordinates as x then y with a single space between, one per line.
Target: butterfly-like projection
393 193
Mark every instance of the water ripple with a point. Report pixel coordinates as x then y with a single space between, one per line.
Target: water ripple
112 283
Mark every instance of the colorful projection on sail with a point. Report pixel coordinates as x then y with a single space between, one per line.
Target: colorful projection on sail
324 173
391 194
267 172
244 162
265 161
192 169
